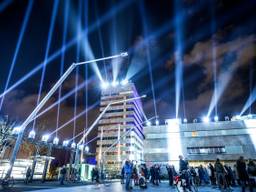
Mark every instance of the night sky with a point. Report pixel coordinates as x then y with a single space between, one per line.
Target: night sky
210 33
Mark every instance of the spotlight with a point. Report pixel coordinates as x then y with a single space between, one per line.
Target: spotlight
45 138
73 145
124 82
249 116
56 141
16 130
206 119
237 117
32 134
104 85
86 148
157 122
148 123
65 143
216 118
124 54
115 83
80 147
185 120
195 121
226 118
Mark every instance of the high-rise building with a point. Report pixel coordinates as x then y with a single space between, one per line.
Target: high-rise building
123 123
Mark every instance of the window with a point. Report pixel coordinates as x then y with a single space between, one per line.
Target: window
206 150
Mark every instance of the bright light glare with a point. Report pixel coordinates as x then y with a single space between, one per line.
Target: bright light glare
115 83
185 120
251 125
148 123
32 134
157 122
16 130
81 146
206 119
87 149
45 138
56 141
216 118
104 85
73 145
124 82
65 143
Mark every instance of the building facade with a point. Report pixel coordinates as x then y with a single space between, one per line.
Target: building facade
200 142
123 123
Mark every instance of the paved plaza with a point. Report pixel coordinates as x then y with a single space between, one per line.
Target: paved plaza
117 187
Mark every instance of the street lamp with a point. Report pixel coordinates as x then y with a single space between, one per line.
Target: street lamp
45 99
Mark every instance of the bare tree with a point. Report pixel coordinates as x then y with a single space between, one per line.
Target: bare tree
6 139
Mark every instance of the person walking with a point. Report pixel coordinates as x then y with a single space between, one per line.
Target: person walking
184 166
128 174
220 174
251 169
242 172
63 173
170 174
28 175
212 174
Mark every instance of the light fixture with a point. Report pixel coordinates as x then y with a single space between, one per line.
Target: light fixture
185 120
124 82
86 148
216 118
16 130
194 120
148 123
226 118
45 137
65 143
115 83
124 54
157 122
32 134
104 85
206 119
56 141
73 145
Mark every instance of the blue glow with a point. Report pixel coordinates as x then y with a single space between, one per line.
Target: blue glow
250 101
216 118
5 4
22 31
206 119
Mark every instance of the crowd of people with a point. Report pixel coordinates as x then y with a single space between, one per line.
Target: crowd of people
217 174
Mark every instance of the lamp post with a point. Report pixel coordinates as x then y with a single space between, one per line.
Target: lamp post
97 120
44 100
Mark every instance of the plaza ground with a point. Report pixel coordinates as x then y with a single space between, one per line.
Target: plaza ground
109 187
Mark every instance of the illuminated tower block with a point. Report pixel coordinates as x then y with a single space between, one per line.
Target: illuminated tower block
119 119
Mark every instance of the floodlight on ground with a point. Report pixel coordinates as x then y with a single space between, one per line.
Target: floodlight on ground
216 118
45 137
104 85
157 122
206 119
56 141
226 118
65 143
124 54
124 82
148 123
194 120
86 148
32 134
16 130
185 120
115 83
73 145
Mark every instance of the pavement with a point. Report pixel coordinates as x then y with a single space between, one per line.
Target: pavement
109 187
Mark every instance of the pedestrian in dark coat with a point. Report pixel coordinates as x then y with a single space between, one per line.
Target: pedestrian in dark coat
242 172
170 175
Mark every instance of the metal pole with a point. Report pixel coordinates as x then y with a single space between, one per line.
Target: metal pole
42 103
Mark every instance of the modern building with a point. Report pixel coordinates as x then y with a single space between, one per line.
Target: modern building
200 142
120 119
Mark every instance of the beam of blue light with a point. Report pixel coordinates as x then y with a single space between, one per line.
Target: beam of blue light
77 60
5 4
76 117
49 40
72 42
250 101
214 64
63 98
21 34
178 56
65 26
145 30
